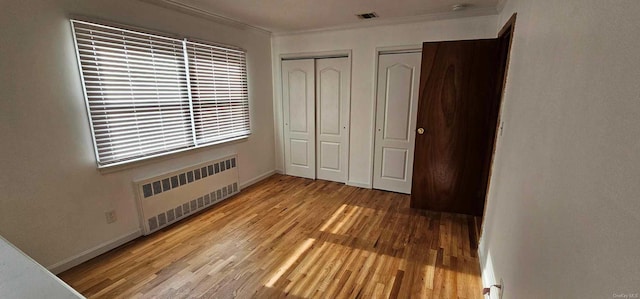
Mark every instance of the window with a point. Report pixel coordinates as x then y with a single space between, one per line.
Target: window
218 79
149 95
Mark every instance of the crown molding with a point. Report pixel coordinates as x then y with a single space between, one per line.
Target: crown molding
195 11
198 12
471 12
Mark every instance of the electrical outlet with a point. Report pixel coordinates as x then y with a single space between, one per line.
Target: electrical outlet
501 289
501 127
111 216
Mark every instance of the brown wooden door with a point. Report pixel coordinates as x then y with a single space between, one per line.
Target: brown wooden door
458 109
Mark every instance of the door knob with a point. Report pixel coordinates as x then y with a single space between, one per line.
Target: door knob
420 131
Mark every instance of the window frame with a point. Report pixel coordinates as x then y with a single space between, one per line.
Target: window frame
195 145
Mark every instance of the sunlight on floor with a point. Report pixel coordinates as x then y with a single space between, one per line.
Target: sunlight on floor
287 264
333 217
339 223
430 269
352 214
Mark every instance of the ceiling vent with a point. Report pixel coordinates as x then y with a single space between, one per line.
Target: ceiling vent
369 15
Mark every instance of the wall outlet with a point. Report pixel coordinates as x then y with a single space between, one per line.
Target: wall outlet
501 127
111 216
501 289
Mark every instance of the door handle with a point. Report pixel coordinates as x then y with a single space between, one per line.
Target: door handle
420 131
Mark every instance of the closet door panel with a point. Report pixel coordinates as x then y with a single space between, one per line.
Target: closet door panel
298 79
333 77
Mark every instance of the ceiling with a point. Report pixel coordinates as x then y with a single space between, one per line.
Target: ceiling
298 15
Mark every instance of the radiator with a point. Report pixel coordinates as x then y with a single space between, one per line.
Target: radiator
167 198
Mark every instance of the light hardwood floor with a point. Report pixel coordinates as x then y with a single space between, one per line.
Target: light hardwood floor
296 238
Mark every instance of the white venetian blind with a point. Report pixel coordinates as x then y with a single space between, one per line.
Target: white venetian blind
149 95
218 80
136 90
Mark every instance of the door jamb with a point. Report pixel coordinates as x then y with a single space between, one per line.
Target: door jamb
507 29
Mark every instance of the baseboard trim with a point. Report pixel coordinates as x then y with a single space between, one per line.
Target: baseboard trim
360 185
257 179
90 253
487 273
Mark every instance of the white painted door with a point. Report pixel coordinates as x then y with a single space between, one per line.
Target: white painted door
299 121
333 80
396 112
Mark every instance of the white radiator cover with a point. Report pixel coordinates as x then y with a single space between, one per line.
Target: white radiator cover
170 197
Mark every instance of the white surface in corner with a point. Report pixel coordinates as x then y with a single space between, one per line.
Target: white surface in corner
563 213
21 277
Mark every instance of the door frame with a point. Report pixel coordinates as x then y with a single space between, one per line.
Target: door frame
507 29
374 96
279 111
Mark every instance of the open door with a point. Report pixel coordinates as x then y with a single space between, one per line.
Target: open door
460 92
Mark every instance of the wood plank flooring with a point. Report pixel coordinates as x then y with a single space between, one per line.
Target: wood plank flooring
295 238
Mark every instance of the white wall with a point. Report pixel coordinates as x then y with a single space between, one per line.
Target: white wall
363 43
563 214
52 197
22 277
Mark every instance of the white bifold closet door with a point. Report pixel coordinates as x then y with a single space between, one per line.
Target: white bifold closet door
396 112
298 100
333 80
315 96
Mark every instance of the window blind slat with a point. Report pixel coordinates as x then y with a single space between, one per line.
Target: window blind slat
106 39
132 52
130 69
122 112
133 76
231 125
107 77
143 150
147 139
139 114
127 66
220 138
111 125
102 85
123 132
123 106
141 95
159 57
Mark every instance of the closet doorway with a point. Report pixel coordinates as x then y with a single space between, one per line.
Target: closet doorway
316 95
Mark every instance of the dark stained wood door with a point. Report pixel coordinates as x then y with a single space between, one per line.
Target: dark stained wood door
457 109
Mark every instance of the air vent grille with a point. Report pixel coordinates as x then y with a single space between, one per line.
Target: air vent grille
369 15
